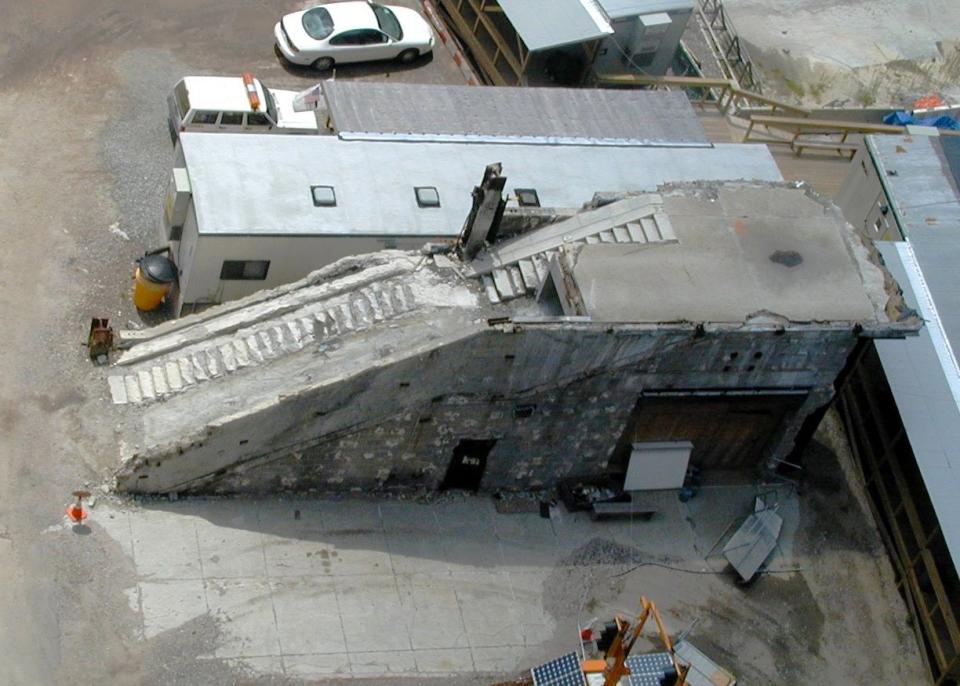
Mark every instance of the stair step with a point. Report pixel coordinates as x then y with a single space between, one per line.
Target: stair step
503 284
529 274
621 235
592 239
649 226
636 232
386 304
253 345
214 363
174 379
490 288
159 381
200 369
240 350
606 236
145 379
186 371
293 328
118 390
131 384
345 320
361 310
370 298
399 299
266 344
517 279
664 227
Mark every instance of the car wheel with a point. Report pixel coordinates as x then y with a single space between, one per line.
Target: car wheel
323 63
408 56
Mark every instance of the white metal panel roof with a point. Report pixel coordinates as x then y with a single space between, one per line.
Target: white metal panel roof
551 23
619 9
251 184
922 373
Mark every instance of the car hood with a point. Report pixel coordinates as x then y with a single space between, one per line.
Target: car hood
415 27
287 117
293 25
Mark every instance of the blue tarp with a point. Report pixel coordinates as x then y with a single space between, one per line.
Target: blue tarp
903 118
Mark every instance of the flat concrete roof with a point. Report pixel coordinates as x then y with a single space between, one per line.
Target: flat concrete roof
248 184
746 250
923 377
551 23
571 116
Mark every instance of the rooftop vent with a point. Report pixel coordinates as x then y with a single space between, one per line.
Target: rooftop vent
427 196
323 196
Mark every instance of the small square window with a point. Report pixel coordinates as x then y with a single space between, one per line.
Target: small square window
427 196
527 197
203 117
231 119
244 270
323 196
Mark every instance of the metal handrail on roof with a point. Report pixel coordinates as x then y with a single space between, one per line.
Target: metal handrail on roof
720 92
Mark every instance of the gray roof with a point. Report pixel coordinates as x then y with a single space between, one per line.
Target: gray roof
251 184
923 193
369 110
551 23
618 9
923 375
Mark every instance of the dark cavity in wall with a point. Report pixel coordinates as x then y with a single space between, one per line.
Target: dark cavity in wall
467 465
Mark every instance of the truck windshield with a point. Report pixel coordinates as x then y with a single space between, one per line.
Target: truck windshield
387 21
318 23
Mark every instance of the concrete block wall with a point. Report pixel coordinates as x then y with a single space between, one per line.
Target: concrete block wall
395 425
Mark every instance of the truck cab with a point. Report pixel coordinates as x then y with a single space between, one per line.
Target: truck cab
234 104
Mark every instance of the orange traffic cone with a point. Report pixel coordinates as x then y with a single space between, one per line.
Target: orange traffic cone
76 511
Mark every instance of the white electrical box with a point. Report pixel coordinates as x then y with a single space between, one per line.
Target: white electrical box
657 466
176 203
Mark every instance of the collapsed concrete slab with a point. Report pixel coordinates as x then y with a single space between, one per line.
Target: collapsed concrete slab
715 313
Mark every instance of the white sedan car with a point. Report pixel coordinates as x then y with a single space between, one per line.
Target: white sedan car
341 32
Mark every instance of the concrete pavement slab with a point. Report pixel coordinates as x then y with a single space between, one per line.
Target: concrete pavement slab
165 546
308 615
317 666
168 603
434 619
372 613
381 663
448 661
246 613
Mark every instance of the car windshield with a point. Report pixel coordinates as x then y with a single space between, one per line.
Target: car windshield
387 21
318 23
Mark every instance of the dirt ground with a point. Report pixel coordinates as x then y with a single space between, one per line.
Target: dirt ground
84 156
852 53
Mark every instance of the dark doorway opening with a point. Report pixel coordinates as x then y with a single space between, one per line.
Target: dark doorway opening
467 465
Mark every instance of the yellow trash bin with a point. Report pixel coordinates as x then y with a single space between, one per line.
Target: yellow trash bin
152 282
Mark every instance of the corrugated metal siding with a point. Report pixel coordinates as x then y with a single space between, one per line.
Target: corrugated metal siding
548 115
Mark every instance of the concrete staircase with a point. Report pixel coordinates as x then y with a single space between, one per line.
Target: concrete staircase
516 276
175 372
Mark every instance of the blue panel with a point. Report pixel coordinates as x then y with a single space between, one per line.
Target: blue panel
558 672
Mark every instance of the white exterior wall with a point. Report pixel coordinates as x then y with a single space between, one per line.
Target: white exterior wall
291 258
611 58
863 200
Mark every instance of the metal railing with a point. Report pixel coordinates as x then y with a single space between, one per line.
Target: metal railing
726 45
723 93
